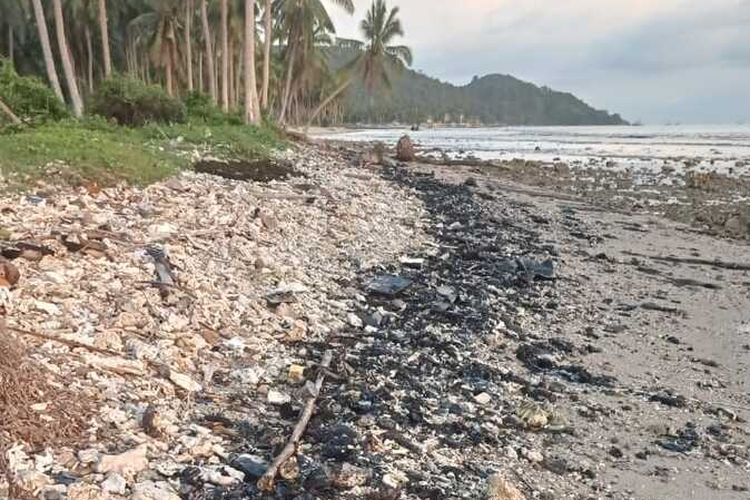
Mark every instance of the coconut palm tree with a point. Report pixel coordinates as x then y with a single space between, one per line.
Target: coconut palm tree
268 33
252 113
67 59
161 25
209 56
376 56
189 12
301 22
104 30
49 61
224 31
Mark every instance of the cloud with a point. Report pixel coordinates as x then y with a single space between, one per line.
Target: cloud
665 60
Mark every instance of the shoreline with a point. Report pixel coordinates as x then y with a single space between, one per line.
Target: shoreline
605 376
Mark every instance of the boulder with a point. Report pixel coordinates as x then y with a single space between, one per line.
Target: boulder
405 149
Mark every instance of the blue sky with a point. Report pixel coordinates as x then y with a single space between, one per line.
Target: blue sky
656 61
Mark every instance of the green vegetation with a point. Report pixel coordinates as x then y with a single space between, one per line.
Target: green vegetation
131 102
28 97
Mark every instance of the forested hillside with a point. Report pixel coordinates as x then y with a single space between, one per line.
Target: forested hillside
489 100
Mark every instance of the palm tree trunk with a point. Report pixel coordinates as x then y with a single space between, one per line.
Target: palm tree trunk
327 101
200 72
209 52
49 62
287 86
10 44
232 73
5 109
168 71
268 27
188 43
224 56
252 115
105 38
67 60
89 59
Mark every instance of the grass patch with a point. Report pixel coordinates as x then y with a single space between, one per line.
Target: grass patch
93 149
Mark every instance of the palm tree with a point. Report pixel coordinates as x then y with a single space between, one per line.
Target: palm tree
224 30
302 21
161 26
252 113
189 11
104 29
376 55
67 59
49 62
210 69
268 29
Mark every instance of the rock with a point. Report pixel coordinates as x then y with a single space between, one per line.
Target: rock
184 382
405 149
88 456
129 462
296 374
151 490
289 470
736 225
47 308
534 456
354 320
114 483
252 466
498 488
82 491
9 273
483 398
347 476
278 398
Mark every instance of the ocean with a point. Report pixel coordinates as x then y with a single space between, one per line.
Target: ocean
720 148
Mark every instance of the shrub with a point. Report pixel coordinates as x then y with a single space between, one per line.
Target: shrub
28 96
201 109
131 102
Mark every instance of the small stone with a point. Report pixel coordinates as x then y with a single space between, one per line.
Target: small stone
126 463
82 491
289 470
150 490
88 456
354 320
498 488
114 483
184 382
278 398
347 476
483 398
252 466
296 374
534 456
47 308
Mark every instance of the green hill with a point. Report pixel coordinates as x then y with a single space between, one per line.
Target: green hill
489 100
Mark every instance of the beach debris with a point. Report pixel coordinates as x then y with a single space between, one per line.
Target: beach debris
405 150
165 278
126 463
266 482
387 284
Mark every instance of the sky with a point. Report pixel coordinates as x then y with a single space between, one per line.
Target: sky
654 61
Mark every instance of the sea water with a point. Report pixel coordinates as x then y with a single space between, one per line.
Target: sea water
721 148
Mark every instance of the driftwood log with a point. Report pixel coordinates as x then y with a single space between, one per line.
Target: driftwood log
9 112
266 482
